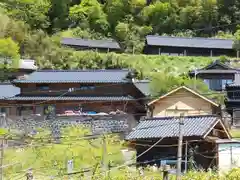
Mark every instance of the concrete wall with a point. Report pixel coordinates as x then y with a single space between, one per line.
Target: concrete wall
228 156
182 101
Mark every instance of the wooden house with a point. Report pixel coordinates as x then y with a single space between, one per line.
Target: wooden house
96 45
80 91
216 75
202 126
182 100
200 133
182 46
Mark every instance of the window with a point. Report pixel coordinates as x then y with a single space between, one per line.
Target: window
225 82
87 87
43 87
217 84
236 116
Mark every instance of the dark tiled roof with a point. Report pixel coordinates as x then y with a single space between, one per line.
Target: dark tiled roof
218 63
169 127
211 69
216 71
154 40
73 98
8 90
76 76
143 86
106 44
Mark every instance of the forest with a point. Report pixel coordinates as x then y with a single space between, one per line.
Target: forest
33 29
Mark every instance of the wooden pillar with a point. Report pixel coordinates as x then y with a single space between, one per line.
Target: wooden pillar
185 52
211 53
166 169
159 51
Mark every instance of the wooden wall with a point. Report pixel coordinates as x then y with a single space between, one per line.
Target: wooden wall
182 102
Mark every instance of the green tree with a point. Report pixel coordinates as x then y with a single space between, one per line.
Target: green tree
160 12
236 44
9 53
33 12
58 15
90 14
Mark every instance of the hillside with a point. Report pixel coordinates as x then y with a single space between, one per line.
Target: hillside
127 21
33 29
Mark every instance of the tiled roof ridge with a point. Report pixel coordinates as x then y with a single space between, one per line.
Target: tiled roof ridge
177 117
83 70
190 37
20 95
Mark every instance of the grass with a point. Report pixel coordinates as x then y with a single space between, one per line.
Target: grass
235 133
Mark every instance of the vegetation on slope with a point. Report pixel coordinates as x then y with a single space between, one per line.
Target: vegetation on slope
49 160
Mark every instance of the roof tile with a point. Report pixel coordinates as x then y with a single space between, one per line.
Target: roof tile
169 127
73 98
143 86
76 76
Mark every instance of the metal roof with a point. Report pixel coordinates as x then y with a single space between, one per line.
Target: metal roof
71 98
8 90
169 127
76 76
154 40
106 44
143 86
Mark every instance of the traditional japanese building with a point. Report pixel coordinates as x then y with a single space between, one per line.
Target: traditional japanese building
216 75
183 100
201 122
77 92
88 44
183 46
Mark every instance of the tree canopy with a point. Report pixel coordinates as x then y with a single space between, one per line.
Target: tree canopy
33 29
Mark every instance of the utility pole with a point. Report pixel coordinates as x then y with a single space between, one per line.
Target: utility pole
180 140
1 160
195 79
186 154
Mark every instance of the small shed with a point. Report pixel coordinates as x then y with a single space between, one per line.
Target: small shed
199 136
228 154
